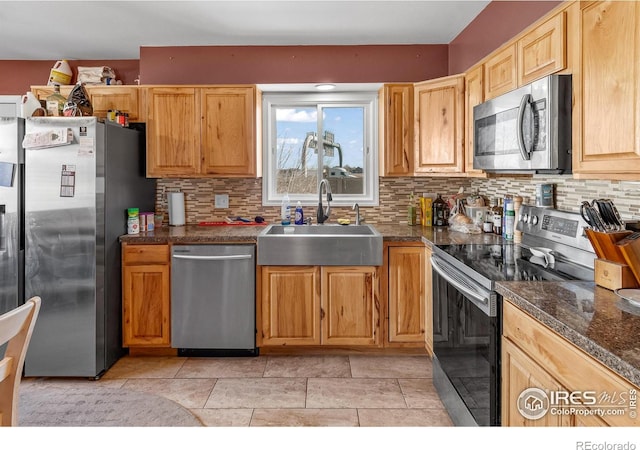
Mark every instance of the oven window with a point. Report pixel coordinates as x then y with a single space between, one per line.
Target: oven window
466 344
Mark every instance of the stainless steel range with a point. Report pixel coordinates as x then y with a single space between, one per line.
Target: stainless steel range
467 312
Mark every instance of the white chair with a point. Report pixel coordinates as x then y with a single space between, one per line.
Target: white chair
16 328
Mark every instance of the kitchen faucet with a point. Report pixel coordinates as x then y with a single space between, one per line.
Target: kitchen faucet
357 208
322 214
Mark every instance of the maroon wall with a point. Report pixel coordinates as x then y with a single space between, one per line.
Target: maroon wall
292 64
496 24
17 77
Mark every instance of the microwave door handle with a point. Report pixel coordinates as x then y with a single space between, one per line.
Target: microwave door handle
526 99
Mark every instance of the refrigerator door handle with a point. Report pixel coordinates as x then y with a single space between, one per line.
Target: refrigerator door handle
3 237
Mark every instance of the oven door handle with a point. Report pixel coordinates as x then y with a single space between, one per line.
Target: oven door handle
480 299
525 152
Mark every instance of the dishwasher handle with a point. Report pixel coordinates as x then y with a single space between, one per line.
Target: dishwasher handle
213 258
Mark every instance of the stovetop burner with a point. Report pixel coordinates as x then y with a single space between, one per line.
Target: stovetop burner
512 262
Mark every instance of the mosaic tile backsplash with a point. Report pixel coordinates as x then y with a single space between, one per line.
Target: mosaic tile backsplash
245 195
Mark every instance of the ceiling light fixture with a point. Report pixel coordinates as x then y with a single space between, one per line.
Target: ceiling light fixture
325 87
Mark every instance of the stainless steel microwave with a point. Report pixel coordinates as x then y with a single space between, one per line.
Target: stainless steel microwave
527 130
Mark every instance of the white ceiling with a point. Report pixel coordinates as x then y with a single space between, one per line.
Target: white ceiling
52 30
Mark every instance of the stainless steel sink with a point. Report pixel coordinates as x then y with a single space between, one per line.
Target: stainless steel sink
320 245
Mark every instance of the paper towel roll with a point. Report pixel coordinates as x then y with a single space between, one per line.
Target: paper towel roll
176 208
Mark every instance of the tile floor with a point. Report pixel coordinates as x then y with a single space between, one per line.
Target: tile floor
351 391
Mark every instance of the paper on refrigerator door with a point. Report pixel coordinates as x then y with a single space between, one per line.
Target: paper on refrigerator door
48 138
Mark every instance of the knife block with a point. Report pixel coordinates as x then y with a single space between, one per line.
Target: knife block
613 275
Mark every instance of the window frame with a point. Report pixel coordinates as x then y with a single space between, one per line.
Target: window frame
367 100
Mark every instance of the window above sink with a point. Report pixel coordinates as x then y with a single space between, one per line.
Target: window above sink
308 136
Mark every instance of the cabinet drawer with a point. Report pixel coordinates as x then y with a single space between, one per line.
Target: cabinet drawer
145 254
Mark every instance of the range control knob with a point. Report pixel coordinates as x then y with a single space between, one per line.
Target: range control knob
534 220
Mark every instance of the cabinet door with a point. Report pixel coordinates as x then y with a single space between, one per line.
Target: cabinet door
473 95
350 307
396 130
609 88
173 132
519 372
428 302
228 131
42 92
406 294
290 305
146 305
500 73
542 50
439 131
122 98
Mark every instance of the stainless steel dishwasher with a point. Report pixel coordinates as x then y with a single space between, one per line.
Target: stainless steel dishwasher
213 300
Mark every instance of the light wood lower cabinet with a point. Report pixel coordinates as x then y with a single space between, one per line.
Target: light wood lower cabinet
407 294
311 305
146 303
290 305
534 356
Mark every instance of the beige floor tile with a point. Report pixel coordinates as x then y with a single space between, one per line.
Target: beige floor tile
420 393
379 366
308 366
145 367
188 393
250 367
258 393
403 418
305 418
114 383
224 417
354 393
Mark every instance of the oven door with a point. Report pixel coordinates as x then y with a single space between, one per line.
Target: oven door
466 365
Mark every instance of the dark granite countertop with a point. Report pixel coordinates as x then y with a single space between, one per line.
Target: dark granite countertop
593 318
244 233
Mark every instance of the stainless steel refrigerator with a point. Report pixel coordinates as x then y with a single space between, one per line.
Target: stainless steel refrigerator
80 176
11 218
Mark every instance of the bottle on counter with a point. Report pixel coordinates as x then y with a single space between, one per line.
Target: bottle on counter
133 221
496 210
509 221
426 202
299 215
439 211
285 210
55 102
411 211
508 199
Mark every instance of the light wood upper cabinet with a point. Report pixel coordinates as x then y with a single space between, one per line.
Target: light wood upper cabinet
350 306
201 131
121 98
102 98
500 72
396 130
542 50
146 300
173 131
439 125
290 305
606 137
407 295
473 95
228 131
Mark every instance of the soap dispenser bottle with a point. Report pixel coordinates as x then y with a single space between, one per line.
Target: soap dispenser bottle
299 216
285 210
